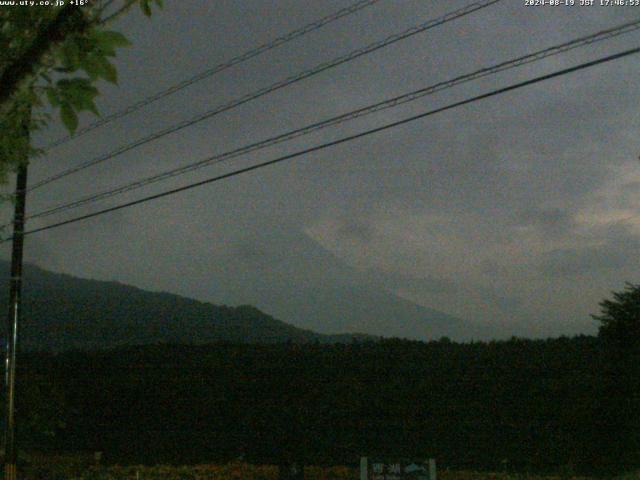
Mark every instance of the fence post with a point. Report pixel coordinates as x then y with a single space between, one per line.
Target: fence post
432 469
363 468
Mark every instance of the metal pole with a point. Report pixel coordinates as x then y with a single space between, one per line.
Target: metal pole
432 469
364 466
15 312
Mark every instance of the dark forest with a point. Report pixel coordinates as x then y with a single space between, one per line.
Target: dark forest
566 404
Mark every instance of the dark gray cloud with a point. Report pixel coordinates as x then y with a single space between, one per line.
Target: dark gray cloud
618 247
552 222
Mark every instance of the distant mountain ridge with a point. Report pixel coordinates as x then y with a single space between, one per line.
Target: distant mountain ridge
296 279
63 312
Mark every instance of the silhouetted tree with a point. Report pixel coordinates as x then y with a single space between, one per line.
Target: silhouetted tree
617 421
620 317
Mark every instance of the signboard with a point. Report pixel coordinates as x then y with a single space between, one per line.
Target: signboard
378 469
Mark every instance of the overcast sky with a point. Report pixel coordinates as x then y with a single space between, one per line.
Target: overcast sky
521 211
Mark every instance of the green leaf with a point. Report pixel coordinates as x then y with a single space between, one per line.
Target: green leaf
97 66
78 93
52 96
70 55
110 74
91 106
69 117
144 6
85 102
108 38
93 66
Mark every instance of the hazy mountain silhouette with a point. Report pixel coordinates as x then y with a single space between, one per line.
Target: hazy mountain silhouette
63 312
365 308
299 281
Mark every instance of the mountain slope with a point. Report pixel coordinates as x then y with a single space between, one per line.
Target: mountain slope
63 312
296 279
365 308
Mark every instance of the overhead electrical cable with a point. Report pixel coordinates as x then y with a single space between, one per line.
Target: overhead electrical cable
342 140
386 104
273 87
243 57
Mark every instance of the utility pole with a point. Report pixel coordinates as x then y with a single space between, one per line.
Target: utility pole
15 312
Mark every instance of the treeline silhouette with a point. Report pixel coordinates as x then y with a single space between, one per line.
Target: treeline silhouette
566 404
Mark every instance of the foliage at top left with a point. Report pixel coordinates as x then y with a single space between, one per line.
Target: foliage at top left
55 56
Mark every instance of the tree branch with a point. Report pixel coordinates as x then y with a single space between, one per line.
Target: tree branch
127 5
69 20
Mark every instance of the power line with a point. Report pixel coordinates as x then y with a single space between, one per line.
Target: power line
386 104
275 86
340 141
243 57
